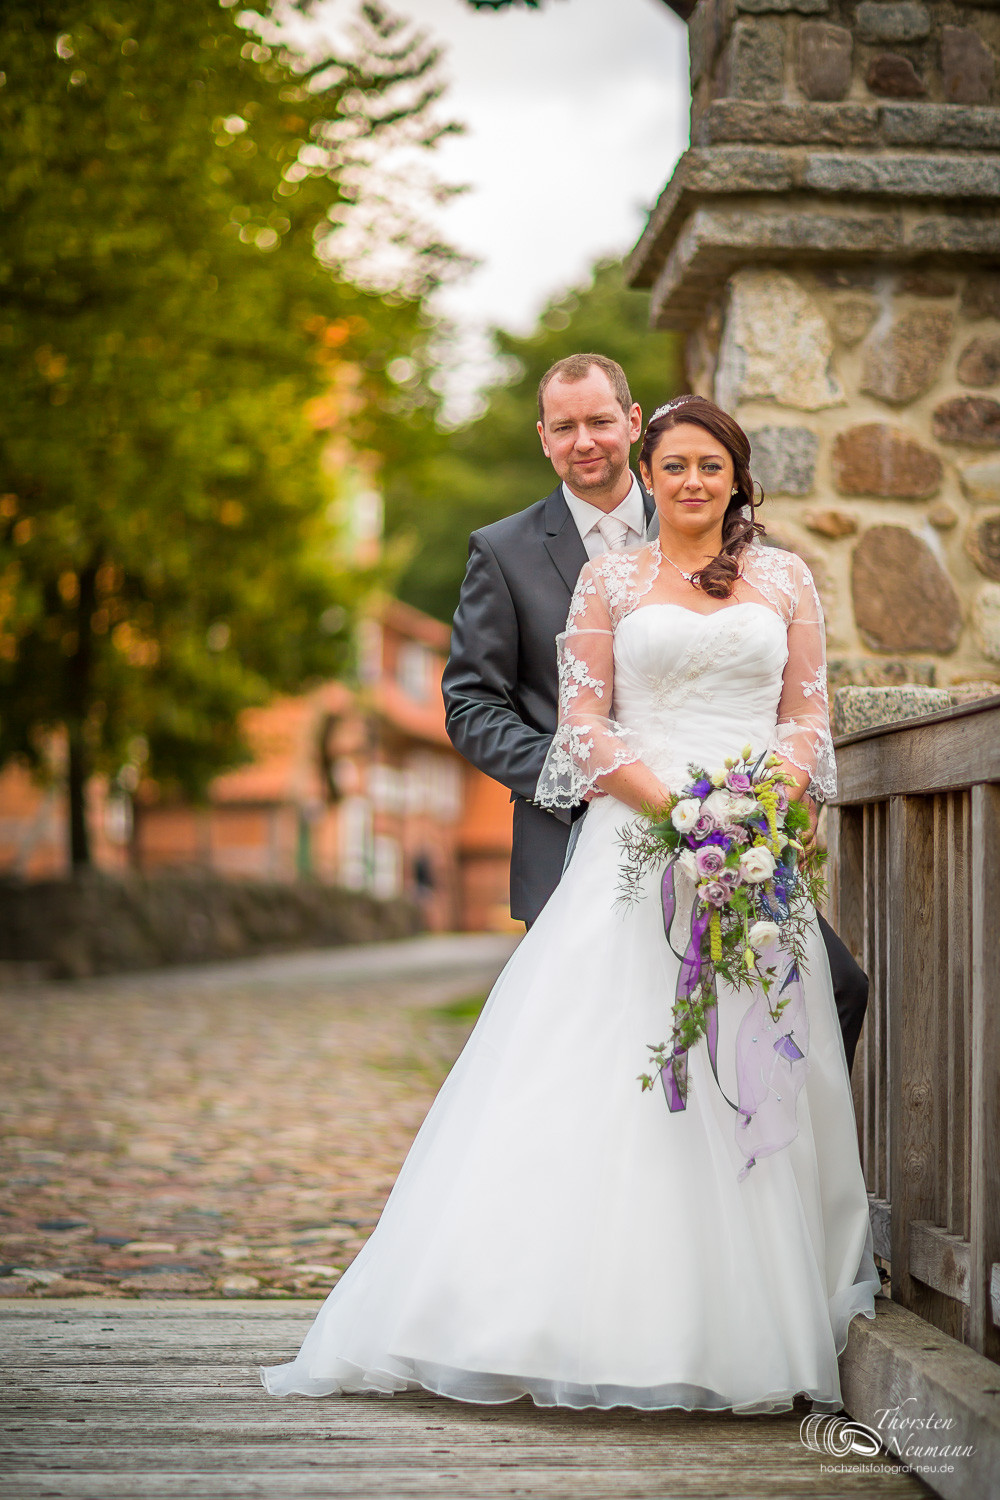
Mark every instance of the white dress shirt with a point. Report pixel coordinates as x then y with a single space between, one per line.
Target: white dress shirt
631 513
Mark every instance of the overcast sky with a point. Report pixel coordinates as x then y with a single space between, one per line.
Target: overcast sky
575 116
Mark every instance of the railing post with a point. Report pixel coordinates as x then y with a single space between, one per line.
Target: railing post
916 1095
985 1080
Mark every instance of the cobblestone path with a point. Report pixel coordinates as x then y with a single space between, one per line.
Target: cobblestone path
229 1130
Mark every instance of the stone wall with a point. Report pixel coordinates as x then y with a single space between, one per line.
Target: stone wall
830 245
99 923
871 398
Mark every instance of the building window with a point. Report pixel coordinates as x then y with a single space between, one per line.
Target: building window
414 671
388 871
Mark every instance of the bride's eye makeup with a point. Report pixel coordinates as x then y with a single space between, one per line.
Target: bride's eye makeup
675 466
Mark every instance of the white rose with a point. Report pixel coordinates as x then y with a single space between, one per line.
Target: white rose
757 864
686 814
762 935
742 807
718 804
689 864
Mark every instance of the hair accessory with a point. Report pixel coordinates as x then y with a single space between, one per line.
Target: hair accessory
677 401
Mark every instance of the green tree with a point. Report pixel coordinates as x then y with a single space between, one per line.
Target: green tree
494 465
170 304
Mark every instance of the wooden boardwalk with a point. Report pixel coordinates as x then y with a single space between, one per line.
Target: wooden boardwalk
145 1400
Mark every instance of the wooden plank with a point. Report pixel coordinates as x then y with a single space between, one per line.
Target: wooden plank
940 1260
939 753
120 1438
880 1214
895 1366
984 1226
913 1102
959 947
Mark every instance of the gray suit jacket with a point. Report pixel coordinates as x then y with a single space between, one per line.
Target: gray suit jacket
501 688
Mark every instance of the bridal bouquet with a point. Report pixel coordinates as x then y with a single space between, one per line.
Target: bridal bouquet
734 838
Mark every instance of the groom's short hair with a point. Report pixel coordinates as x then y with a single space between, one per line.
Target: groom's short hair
577 367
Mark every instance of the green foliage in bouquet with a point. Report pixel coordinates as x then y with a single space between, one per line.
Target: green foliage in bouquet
735 837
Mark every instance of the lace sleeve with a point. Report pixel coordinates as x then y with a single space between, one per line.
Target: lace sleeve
587 743
803 730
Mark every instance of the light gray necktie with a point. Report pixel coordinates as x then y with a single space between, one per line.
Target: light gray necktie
614 532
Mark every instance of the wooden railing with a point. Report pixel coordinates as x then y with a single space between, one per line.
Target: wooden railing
914 871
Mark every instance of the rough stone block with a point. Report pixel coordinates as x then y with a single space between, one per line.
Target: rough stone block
893 76
981 297
915 176
904 359
876 459
956 233
970 692
703 38
973 420
981 481
858 708
802 7
979 362
903 598
776 345
942 125
968 66
852 316
789 124
824 61
982 542
757 60
986 620
733 169
884 21
832 524
783 460
942 515
865 671
927 284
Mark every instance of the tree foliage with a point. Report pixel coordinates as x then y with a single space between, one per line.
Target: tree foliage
171 302
494 465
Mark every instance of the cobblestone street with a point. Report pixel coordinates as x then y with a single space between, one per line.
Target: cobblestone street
230 1130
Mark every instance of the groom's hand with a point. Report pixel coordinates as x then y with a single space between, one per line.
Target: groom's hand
808 838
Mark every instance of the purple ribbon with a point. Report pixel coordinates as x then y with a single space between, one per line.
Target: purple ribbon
771 1061
693 971
771 1067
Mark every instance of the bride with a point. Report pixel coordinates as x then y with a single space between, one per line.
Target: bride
555 1231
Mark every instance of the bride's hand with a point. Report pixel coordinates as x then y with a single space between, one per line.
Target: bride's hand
808 838
636 785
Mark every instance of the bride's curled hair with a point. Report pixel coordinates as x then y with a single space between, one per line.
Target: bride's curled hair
739 524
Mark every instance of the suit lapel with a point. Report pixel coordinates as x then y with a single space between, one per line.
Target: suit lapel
562 540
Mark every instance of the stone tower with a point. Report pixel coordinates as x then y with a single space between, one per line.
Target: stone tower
830 245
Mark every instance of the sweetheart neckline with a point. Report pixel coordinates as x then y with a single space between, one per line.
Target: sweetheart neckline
699 614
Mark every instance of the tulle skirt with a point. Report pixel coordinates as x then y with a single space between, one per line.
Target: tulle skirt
555 1231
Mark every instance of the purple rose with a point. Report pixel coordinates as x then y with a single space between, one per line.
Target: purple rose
704 826
781 797
709 861
714 892
739 782
735 834
730 879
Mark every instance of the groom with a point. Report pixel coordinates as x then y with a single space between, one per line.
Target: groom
501 682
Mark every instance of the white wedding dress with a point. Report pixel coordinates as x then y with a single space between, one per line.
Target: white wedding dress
555 1231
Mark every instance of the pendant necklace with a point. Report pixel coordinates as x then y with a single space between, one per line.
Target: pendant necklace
690 577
